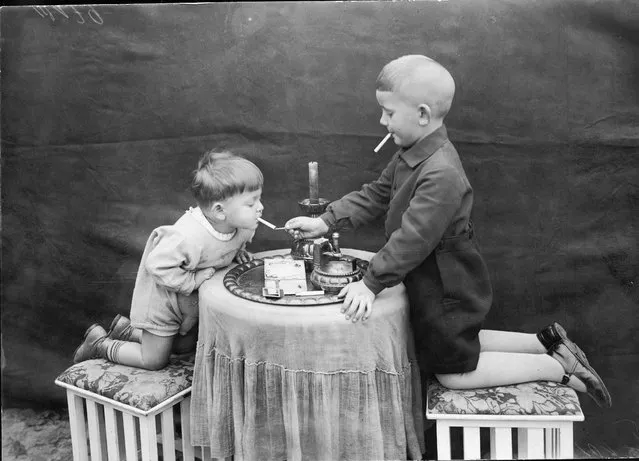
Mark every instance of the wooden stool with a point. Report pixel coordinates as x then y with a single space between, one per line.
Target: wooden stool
121 408
542 414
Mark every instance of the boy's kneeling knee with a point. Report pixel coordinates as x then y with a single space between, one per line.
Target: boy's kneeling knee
450 380
156 363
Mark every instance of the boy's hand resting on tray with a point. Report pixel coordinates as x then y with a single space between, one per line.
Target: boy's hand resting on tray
305 227
243 256
358 301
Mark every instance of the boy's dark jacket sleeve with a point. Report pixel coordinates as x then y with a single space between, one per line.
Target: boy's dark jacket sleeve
436 199
362 206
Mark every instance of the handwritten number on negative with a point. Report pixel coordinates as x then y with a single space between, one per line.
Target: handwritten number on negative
79 12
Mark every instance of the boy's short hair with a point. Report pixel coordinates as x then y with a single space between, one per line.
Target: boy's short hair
407 71
395 73
221 175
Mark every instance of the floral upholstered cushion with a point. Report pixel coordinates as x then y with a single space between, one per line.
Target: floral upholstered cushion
534 398
142 389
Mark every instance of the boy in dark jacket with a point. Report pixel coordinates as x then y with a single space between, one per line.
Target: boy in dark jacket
430 247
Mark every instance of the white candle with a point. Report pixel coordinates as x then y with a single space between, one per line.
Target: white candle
313 182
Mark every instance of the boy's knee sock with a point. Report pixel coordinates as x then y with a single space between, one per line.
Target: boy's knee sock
112 349
129 333
121 329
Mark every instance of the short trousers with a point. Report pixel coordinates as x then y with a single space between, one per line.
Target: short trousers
164 312
449 295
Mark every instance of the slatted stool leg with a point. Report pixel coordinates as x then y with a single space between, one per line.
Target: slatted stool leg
185 419
472 449
130 436
501 443
168 435
565 440
148 438
551 445
77 423
530 442
95 437
112 433
443 439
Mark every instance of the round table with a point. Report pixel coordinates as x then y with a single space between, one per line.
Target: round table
278 382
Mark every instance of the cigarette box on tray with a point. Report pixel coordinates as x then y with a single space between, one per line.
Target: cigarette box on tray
288 275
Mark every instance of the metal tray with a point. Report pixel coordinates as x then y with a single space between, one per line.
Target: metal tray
247 280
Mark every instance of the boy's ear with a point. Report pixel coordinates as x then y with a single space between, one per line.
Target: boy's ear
217 210
424 114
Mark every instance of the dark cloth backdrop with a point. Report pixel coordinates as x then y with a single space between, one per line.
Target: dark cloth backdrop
106 109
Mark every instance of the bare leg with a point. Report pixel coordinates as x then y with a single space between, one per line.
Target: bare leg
504 368
510 341
152 353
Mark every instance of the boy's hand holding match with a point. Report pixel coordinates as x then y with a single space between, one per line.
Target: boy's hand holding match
305 227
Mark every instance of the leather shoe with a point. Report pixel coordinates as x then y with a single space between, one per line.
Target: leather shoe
120 328
553 334
93 346
573 365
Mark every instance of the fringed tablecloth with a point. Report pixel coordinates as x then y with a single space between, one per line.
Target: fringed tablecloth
301 382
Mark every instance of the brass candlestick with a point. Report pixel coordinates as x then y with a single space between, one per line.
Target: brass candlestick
314 210
313 207
303 248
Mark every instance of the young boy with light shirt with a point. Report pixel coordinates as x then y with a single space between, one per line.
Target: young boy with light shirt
177 259
430 247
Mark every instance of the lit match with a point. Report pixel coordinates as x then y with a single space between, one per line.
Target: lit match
383 141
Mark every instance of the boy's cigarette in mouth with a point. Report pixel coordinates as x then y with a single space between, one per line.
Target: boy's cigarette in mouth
383 141
268 224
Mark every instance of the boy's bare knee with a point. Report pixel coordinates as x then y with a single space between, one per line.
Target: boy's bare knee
156 363
156 350
450 380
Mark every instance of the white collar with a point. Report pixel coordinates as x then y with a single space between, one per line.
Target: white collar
199 217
